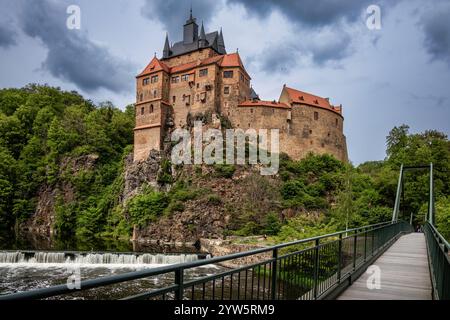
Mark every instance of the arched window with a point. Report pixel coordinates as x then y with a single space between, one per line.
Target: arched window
142 111
151 108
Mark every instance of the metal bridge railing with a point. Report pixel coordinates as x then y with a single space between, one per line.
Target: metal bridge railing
312 268
439 260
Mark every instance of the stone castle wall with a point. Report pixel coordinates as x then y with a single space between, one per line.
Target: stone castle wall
303 128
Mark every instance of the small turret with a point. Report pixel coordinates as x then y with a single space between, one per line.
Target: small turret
221 43
166 51
202 42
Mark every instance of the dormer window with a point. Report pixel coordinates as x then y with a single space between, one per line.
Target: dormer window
301 98
203 72
228 74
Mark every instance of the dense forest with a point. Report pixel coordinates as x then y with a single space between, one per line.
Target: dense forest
43 130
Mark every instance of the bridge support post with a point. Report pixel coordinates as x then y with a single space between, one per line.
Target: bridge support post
273 294
365 244
431 200
339 272
316 269
355 241
397 196
179 283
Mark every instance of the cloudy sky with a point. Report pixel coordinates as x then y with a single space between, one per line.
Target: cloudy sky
383 78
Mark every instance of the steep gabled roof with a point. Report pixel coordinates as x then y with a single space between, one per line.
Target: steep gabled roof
301 97
154 66
233 60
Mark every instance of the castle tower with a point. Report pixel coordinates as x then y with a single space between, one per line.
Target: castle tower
151 108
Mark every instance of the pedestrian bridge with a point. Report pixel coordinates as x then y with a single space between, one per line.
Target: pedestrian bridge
403 270
387 260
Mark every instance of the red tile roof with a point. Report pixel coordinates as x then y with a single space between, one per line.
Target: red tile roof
153 66
261 103
233 60
301 97
227 60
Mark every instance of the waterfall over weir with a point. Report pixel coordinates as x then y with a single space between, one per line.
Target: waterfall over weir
42 257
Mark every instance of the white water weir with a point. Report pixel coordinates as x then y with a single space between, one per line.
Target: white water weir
36 258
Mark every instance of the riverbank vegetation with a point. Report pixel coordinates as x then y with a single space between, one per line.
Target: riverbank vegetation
56 143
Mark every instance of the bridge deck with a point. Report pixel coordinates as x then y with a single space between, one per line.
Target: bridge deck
404 273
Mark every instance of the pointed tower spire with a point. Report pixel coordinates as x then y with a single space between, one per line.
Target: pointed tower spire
221 43
202 40
166 51
190 13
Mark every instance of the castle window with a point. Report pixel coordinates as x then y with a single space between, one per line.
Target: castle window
323 145
174 99
249 125
175 79
198 85
310 131
151 108
228 74
145 81
142 111
241 77
337 121
226 90
155 93
251 110
185 77
154 79
203 72
311 142
316 115
328 134
141 97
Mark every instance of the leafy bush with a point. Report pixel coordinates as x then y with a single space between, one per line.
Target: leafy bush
147 207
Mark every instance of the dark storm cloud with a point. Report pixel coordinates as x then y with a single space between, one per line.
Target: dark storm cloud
173 13
312 16
333 49
72 56
328 48
313 13
278 59
436 26
7 35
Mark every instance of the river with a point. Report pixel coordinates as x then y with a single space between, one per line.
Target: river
29 264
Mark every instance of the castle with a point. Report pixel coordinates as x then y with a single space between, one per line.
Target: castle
197 77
